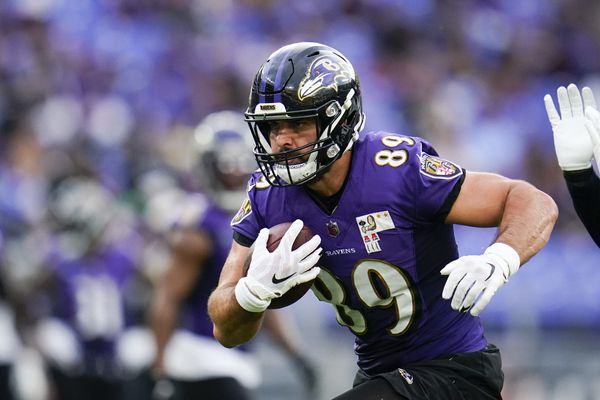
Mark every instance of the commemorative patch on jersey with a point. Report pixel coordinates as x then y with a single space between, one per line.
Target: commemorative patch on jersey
436 167
370 225
243 212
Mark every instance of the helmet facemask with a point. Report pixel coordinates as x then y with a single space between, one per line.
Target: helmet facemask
337 128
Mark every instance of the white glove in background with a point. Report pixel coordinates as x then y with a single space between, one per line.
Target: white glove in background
593 125
473 280
270 275
572 140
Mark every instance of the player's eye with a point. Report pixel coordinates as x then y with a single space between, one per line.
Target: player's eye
273 126
301 124
298 124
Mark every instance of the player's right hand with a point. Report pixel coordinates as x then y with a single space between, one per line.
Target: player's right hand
572 140
271 274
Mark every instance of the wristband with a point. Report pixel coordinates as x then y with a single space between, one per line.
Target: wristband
248 300
507 254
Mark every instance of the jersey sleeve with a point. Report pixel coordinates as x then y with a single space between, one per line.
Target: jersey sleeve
584 188
437 183
246 223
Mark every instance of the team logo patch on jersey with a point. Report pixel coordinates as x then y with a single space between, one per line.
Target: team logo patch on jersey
436 167
326 72
370 225
243 212
333 229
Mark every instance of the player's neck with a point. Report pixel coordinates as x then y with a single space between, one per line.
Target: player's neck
333 180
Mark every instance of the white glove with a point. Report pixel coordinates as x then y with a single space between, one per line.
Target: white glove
473 280
593 125
572 140
270 275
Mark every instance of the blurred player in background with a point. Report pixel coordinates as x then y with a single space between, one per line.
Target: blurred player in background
577 142
93 291
199 237
391 285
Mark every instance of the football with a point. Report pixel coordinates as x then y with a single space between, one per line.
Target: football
275 235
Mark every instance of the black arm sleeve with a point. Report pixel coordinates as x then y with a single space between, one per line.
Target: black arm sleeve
241 239
584 187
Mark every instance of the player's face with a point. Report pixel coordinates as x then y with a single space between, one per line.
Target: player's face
288 135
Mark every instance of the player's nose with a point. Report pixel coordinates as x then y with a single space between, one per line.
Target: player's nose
283 136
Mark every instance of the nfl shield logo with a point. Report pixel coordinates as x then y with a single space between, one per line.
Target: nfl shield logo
333 229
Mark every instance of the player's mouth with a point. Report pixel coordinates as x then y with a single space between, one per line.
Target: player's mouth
294 158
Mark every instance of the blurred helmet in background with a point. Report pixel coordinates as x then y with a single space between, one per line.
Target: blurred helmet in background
305 81
81 210
163 198
225 157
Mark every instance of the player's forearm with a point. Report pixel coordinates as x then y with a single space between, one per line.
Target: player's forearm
163 320
527 221
232 324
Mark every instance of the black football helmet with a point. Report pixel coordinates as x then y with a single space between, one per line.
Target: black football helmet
300 81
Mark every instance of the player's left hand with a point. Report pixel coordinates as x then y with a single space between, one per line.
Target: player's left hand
473 280
593 125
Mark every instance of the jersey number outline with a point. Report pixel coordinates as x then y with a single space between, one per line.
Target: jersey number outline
393 158
369 277
378 284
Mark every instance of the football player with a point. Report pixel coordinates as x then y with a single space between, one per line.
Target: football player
400 285
199 240
577 141
92 284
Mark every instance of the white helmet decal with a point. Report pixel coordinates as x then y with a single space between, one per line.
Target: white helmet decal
326 72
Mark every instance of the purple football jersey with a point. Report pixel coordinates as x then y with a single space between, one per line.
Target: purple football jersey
383 248
90 296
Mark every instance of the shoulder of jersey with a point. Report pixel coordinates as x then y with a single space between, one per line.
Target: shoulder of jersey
386 140
387 148
258 181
